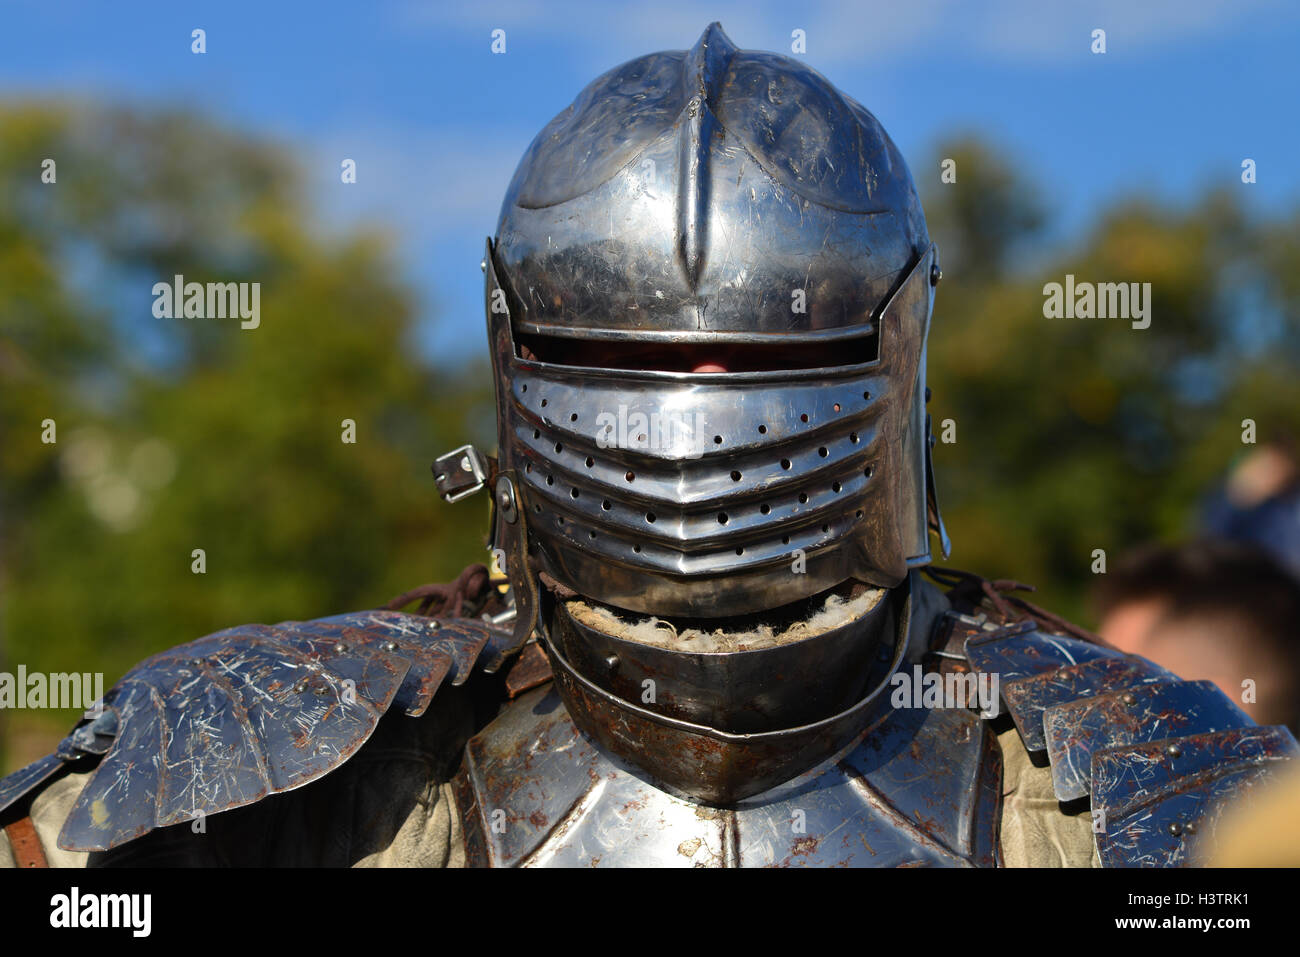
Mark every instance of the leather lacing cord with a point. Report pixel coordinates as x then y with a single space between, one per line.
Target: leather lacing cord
471 594
976 589
476 593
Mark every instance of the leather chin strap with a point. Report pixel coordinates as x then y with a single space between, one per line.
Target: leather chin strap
510 520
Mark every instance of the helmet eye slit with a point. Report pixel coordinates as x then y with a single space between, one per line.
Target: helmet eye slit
721 354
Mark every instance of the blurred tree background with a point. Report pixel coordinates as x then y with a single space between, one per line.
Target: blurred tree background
182 434
1083 434
177 434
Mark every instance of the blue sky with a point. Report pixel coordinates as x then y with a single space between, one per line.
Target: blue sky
436 121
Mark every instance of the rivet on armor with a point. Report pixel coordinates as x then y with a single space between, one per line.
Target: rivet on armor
1129 698
1174 751
506 500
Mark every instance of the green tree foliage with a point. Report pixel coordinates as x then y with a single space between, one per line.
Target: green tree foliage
1079 434
183 434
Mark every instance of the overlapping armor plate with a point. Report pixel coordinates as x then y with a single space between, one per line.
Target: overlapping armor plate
224 721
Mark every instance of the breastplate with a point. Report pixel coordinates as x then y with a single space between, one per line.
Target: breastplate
919 787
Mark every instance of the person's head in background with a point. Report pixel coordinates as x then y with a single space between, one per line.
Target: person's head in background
1221 611
1259 502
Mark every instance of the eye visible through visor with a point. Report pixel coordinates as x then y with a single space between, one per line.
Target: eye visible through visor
697 351
848 347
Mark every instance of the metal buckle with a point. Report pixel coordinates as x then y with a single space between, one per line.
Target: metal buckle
459 473
980 621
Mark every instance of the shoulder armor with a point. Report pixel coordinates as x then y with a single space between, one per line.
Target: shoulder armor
228 719
1157 756
1152 798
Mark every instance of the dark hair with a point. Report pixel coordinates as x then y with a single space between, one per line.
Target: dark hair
1209 574
1220 578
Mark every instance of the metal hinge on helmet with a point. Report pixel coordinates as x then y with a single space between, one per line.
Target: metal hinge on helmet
460 472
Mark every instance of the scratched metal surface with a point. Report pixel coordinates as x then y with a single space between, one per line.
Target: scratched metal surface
719 767
1027 698
1158 800
768 179
941 771
741 691
1027 652
224 721
922 792
1078 730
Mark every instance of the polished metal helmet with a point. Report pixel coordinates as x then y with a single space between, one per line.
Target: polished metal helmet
708 203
